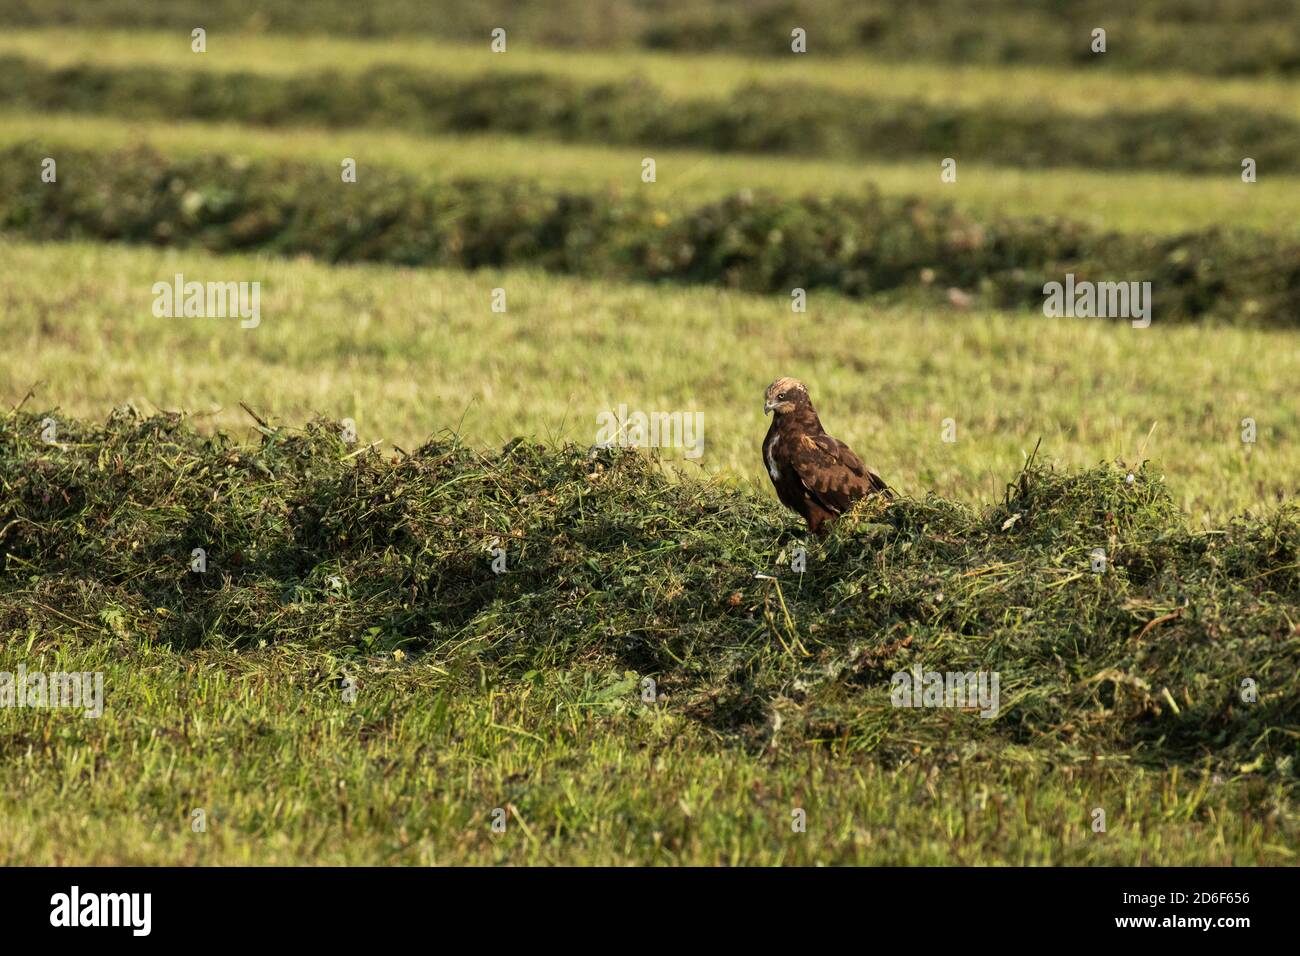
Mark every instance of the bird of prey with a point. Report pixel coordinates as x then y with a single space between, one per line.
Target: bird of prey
814 474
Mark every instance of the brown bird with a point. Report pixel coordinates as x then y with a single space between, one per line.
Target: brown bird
814 474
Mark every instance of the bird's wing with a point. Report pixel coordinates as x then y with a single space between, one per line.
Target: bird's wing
831 473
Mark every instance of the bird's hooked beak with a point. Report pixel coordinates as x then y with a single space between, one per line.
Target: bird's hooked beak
769 407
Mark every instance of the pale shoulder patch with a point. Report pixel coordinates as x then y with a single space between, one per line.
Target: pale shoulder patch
770 459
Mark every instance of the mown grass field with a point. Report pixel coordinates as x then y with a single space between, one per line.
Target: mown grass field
1150 202
681 74
1158 36
521 692
407 353
413 772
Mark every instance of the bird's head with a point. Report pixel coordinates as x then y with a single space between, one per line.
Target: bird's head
786 395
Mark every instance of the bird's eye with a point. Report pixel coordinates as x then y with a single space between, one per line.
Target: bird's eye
781 397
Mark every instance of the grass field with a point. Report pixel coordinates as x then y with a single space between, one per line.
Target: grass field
522 694
408 353
480 91
1150 202
681 74
1163 36
413 773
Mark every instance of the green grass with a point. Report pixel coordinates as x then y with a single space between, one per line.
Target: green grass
289 774
859 246
522 692
1069 89
1150 202
407 353
1164 203
1167 35
784 118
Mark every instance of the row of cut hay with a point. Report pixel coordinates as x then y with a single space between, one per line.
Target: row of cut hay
611 565
788 119
856 246
1223 37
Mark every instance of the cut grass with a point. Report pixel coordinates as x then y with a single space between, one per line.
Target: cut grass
802 120
862 246
1069 90
409 352
1219 37
1161 203
289 774
522 692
